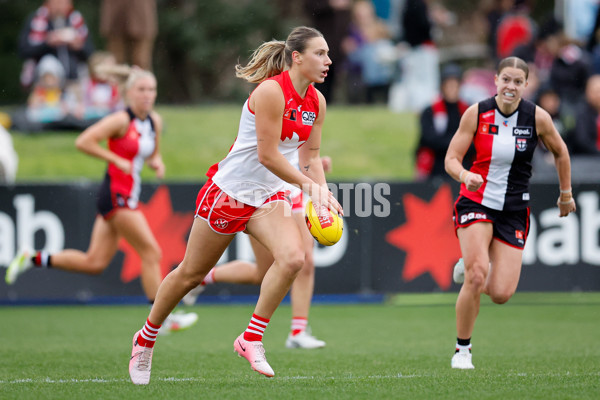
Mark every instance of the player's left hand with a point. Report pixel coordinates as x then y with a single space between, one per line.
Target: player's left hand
566 204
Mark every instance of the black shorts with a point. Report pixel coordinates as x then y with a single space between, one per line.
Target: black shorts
107 202
510 227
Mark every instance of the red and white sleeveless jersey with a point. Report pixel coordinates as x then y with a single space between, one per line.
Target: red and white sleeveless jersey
240 174
138 144
504 146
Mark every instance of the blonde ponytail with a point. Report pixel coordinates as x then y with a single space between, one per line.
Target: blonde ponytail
272 58
266 61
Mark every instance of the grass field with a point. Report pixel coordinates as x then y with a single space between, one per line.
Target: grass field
364 142
538 346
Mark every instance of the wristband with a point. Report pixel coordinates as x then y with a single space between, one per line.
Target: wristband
460 176
566 202
565 191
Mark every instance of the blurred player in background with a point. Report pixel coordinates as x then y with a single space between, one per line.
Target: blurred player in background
245 192
133 136
249 273
491 214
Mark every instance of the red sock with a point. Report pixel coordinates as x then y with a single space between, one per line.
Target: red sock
147 336
298 325
256 329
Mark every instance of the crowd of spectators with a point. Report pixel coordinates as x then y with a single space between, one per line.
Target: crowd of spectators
62 71
383 51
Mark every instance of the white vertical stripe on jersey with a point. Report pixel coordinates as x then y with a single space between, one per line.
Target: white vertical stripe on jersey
146 145
503 153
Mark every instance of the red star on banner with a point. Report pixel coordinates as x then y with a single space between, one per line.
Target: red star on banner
428 238
170 229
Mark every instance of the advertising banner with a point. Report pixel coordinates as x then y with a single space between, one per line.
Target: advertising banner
398 237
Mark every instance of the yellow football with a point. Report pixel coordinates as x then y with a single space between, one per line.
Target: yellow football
325 226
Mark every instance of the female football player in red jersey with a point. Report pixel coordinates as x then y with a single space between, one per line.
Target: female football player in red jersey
251 273
283 116
491 214
133 136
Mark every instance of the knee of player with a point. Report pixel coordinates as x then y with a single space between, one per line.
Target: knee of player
501 297
292 260
475 277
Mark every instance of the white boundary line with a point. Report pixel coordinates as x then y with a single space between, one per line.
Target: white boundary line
293 378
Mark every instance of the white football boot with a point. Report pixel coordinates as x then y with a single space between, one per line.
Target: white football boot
303 340
458 275
462 359
178 321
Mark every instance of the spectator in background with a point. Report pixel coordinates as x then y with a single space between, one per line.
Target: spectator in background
593 44
130 28
543 161
541 52
494 15
332 19
371 52
45 103
514 29
419 82
586 136
98 94
569 74
55 28
438 123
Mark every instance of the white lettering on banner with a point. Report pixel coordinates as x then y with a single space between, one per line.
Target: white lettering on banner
29 222
7 239
558 245
590 217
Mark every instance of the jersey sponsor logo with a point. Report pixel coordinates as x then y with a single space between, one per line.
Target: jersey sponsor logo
488 114
521 144
471 216
505 123
289 114
522 131
526 196
487 128
308 118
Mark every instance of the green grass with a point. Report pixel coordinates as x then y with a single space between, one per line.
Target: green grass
538 346
364 142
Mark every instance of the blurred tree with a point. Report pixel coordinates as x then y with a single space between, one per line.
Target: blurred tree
199 43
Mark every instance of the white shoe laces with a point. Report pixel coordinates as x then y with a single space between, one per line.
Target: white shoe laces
260 352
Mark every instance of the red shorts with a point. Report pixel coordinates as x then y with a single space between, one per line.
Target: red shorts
223 213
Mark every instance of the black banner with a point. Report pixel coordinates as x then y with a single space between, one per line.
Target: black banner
397 238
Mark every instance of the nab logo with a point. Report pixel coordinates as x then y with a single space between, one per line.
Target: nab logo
522 131
308 118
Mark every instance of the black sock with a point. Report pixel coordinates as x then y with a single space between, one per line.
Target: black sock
463 342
